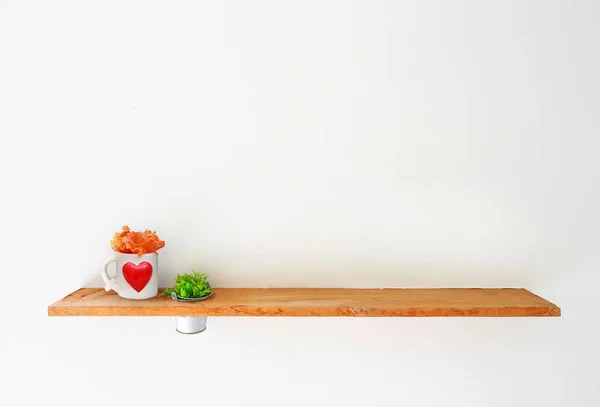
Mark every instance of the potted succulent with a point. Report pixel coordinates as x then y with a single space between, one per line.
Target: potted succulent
190 287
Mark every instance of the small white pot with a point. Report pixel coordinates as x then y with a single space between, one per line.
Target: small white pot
190 325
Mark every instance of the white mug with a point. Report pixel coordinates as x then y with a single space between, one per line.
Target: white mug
137 276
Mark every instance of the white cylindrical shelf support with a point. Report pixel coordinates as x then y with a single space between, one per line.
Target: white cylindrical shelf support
190 325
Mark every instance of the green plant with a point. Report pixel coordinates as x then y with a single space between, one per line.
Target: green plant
192 285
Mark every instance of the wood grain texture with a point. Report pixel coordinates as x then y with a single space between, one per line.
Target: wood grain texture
317 302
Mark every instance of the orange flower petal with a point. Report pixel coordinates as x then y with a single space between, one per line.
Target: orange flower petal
139 243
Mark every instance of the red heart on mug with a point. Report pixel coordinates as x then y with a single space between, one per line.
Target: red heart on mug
137 275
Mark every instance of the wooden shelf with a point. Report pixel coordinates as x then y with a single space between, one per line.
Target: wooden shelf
318 302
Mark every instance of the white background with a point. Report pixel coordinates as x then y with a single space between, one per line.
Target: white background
303 143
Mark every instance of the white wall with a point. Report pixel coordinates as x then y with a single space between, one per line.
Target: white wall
303 143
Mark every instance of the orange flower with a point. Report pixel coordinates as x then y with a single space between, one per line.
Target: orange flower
139 243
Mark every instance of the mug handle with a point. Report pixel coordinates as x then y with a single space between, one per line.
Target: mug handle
111 283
